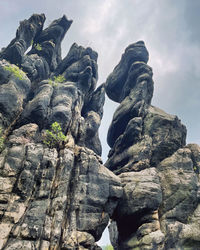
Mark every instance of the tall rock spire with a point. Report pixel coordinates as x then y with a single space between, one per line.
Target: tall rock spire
158 172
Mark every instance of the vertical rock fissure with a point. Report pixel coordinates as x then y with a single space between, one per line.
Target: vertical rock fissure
68 225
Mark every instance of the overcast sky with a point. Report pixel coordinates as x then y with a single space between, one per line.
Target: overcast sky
169 28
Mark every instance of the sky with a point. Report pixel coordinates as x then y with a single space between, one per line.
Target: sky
169 28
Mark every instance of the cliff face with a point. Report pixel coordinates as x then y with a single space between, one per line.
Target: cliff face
160 206
55 193
51 197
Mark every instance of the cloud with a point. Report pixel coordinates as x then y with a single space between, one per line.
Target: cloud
95 23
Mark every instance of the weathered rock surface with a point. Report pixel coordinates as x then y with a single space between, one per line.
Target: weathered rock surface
159 208
59 197
49 196
14 90
25 35
45 54
134 53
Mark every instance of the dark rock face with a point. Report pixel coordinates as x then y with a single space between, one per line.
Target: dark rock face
52 198
160 205
25 34
13 93
134 53
45 53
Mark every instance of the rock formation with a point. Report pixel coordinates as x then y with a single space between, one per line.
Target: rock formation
51 197
160 206
55 193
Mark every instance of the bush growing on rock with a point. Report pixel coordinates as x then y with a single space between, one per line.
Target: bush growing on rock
52 83
59 78
108 247
16 71
196 169
56 80
38 47
54 137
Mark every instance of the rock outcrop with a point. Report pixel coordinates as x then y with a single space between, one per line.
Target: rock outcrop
160 205
55 192
45 54
51 197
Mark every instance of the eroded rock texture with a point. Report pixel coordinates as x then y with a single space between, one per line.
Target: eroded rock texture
59 197
160 206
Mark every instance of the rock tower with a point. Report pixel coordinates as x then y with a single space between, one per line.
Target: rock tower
55 192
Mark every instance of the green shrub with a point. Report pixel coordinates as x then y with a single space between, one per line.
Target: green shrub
56 80
38 47
196 169
108 247
59 78
52 83
16 71
54 137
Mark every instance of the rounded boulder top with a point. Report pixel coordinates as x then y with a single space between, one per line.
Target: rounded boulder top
116 80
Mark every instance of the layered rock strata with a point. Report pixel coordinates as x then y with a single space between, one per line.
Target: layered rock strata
160 205
51 197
